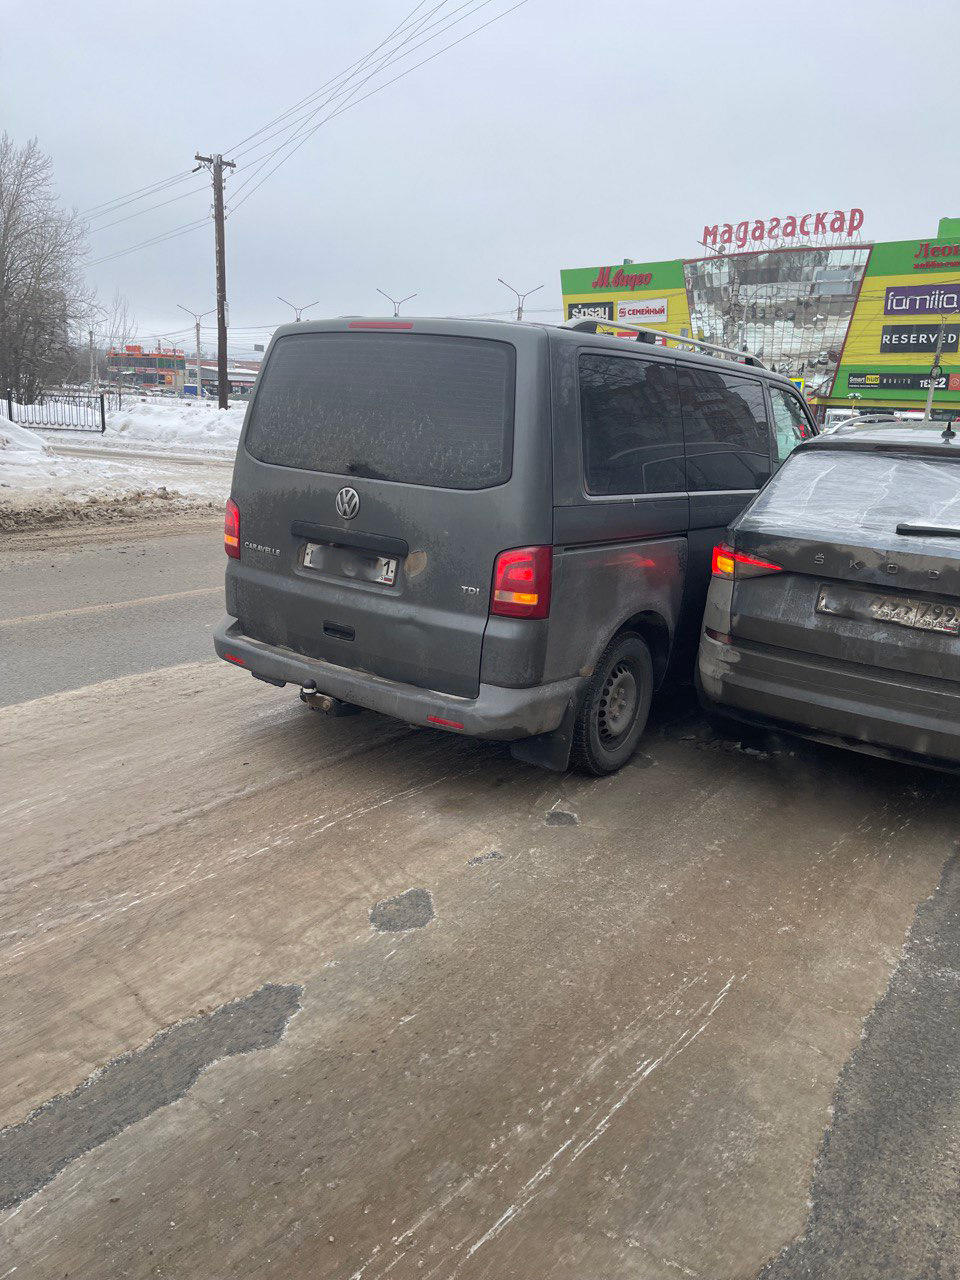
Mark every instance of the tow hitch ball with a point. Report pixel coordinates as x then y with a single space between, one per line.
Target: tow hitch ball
325 702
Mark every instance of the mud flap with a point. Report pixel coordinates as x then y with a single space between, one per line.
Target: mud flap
549 750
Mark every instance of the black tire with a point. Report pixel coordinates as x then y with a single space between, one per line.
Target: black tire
613 712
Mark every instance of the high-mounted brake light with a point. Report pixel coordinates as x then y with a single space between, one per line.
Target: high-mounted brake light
231 530
380 324
521 583
728 563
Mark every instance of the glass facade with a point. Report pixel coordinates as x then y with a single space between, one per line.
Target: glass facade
854 325
791 308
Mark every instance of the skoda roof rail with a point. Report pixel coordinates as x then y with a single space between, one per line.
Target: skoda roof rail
653 335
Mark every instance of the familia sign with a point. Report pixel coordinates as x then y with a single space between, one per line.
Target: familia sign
921 299
808 226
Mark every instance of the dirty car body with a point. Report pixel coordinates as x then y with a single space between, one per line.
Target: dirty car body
451 522
834 605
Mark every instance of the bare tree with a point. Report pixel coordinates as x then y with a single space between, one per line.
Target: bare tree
42 290
115 328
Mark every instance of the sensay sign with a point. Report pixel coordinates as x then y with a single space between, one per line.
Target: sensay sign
806 227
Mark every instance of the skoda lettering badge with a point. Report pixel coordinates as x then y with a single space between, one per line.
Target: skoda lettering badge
348 503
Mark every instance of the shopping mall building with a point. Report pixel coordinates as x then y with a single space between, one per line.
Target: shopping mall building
854 324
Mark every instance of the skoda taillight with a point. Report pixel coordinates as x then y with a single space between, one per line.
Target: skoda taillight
728 563
231 530
521 583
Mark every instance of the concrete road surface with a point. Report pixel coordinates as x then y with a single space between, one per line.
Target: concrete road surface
294 997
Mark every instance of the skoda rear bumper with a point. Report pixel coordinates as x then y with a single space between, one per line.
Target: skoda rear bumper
887 713
496 713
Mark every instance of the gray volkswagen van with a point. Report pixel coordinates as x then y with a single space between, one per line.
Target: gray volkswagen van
494 529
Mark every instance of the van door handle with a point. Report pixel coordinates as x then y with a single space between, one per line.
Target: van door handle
337 632
351 538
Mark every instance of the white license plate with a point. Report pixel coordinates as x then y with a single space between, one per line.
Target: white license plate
345 562
920 615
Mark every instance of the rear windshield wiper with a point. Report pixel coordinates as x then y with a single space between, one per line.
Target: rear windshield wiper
931 530
361 469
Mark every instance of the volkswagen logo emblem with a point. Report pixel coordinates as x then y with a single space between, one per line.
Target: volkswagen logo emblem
348 503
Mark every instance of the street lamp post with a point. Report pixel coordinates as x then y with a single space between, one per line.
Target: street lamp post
197 317
935 371
396 305
521 297
298 311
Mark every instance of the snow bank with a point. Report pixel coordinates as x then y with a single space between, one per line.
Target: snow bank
175 424
155 456
14 439
39 487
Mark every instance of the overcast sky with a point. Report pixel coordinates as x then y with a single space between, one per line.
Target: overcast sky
569 133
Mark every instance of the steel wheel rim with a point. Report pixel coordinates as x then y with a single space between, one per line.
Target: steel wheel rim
619 699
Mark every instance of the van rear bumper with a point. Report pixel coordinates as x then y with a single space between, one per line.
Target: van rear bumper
496 712
882 712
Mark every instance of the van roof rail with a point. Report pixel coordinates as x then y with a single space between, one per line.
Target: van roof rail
645 334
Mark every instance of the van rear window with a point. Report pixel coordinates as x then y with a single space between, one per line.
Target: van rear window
415 408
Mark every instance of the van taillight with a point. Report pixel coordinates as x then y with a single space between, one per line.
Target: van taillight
521 583
231 530
728 563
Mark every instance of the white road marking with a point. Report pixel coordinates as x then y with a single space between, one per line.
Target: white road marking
113 604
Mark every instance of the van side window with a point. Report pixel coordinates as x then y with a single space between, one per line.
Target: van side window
725 430
790 422
630 419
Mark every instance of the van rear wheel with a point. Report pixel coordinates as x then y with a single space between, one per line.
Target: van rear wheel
615 707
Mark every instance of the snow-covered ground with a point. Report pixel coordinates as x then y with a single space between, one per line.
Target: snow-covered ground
39 485
169 426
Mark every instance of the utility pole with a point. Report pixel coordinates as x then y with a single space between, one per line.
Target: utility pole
216 165
521 297
396 305
936 371
197 317
92 363
298 311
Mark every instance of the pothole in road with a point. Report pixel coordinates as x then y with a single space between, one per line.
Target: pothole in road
410 910
133 1086
560 818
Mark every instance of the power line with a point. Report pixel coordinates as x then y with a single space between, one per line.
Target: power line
316 92
110 206
149 209
107 207
348 106
393 56
342 89
146 244
161 204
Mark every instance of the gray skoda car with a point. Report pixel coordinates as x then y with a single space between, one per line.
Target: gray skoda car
493 529
834 605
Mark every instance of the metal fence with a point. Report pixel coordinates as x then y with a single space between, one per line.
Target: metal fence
60 411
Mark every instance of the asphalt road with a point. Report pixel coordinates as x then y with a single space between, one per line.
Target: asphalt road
294 997
78 607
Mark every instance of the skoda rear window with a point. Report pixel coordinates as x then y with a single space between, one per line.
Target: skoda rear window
834 491
415 408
